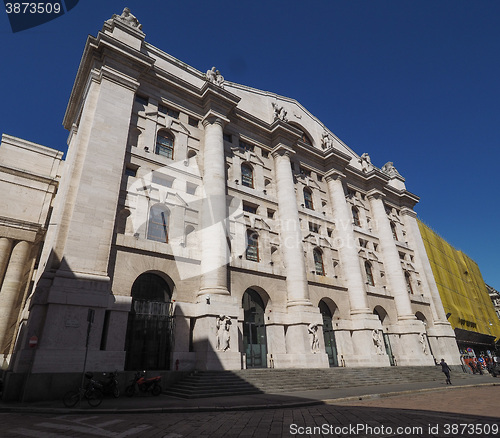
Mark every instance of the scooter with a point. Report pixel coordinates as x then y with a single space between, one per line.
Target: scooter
110 385
144 385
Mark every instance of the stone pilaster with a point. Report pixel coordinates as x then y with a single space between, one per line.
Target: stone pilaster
11 289
214 244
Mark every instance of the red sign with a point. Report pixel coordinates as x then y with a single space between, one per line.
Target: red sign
33 341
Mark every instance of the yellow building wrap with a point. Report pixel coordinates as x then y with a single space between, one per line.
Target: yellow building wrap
461 287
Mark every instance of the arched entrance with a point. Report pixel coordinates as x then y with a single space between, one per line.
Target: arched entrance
329 334
254 330
384 319
150 325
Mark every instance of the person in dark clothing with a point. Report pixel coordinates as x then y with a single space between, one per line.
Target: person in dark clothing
446 370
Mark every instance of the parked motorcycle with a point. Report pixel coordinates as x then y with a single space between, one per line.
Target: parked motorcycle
110 384
144 385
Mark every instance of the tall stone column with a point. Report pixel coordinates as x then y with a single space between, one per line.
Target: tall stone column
439 331
214 246
355 337
9 294
390 254
347 245
300 311
291 234
406 332
5 249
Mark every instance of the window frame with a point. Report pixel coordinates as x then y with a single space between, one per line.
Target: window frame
247 181
317 253
370 280
154 226
308 201
252 246
165 147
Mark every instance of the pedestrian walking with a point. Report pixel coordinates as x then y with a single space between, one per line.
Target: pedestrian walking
446 370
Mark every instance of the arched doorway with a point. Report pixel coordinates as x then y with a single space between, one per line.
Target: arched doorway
329 334
150 324
254 330
384 319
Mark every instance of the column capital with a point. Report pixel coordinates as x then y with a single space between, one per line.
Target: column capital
334 174
282 149
405 211
212 117
375 194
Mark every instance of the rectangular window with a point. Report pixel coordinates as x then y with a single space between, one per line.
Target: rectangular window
191 188
141 99
329 232
265 154
168 111
305 172
246 146
363 243
193 122
227 137
164 180
130 171
270 213
313 227
249 208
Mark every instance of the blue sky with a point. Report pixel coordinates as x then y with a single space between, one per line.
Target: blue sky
413 82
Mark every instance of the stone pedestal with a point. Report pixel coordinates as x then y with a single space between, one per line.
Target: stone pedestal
355 343
406 345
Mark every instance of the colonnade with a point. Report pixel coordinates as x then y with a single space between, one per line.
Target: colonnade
14 255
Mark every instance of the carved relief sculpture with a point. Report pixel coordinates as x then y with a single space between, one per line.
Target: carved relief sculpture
378 341
423 342
313 330
223 325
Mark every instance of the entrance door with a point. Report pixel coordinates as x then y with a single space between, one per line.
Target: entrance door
388 349
329 334
150 325
254 330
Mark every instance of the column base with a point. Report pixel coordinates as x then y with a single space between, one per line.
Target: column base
293 360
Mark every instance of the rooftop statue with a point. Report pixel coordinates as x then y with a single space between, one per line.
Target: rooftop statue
215 77
279 112
129 18
389 169
366 162
326 140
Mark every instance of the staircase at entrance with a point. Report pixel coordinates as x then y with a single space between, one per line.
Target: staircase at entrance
202 384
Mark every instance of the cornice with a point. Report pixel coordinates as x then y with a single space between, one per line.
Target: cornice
96 49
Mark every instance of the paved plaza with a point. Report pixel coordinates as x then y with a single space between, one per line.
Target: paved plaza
439 411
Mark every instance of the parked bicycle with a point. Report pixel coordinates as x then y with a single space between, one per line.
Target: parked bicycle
91 392
110 384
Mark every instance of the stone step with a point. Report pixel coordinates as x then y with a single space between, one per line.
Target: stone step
214 383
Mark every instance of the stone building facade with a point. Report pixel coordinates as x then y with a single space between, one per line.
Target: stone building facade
29 177
211 225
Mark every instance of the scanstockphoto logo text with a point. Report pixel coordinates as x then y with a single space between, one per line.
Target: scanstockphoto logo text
26 15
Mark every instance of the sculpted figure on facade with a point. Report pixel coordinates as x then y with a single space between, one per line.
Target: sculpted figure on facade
366 162
326 140
389 169
223 336
214 76
313 330
129 18
378 341
279 112
423 342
